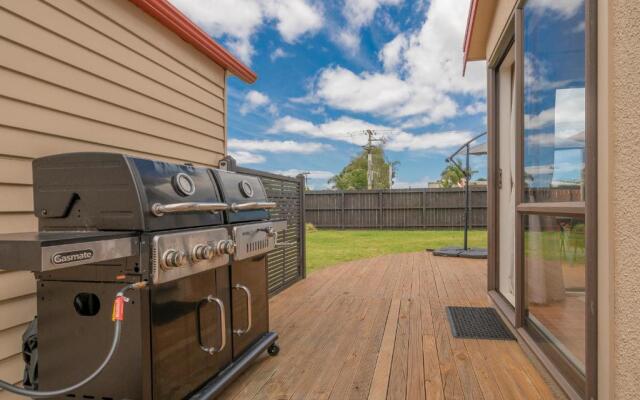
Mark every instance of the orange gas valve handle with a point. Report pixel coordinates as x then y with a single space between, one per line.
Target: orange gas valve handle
118 309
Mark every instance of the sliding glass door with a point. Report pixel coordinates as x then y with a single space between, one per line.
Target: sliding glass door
543 220
552 203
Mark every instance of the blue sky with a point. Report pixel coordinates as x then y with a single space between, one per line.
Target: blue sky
328 69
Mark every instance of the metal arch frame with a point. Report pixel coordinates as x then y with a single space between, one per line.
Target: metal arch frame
467 176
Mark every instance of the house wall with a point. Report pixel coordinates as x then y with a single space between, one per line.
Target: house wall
91 75
501 16
624 133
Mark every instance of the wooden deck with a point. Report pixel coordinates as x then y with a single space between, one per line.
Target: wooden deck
377 329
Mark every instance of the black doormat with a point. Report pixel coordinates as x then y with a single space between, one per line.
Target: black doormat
477 323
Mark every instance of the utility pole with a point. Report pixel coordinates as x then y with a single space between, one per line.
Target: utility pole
369 149
306 179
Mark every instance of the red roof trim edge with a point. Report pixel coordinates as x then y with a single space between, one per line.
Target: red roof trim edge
182 26
467 34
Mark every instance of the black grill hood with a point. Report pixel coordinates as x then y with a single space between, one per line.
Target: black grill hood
237 188
110 191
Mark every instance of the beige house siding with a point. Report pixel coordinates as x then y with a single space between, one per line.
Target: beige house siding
91 75
624 125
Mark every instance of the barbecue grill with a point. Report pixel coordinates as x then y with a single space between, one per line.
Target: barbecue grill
190 242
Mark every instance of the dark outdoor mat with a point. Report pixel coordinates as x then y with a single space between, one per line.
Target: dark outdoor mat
477 323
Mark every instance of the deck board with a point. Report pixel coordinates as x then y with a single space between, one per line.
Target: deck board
377 329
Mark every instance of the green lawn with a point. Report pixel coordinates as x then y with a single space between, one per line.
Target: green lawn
330 247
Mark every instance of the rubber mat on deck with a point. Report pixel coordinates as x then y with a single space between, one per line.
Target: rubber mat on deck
477 323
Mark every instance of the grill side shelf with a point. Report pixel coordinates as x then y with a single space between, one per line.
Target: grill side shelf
48 251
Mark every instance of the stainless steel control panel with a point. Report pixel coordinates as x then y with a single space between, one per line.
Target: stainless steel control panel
255 239
180 254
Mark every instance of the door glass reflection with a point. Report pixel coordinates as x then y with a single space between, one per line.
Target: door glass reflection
555 282
554 101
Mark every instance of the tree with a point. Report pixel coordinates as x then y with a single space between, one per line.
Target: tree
354 175
452 176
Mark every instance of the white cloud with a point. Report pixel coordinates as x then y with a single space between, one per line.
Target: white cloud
574 141
255 100
561 8
570 112
537 121
238 20
478 107
374 93
558 168
357 14
294 17
347 39
311 174
315 180
344 129
274 146
535 77
427 141
278 53
567 116
348 130
422 73
421 183
245 157
391 53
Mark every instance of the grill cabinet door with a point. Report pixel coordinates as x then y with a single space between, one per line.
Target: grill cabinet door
252 275
74 334
180 365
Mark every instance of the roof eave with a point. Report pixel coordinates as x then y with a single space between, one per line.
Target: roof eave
172 18
471 17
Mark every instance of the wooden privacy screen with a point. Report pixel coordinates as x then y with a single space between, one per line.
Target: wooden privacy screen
395 208
285 264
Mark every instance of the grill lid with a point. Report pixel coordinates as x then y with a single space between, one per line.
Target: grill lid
109 191
245 195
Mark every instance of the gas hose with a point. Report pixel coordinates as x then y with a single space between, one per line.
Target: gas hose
117 317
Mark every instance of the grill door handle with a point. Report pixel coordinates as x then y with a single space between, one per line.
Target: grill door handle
246 290
223 325
255 205
160 209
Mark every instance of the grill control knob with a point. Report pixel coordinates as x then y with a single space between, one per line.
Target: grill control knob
174 259
225 247
202 252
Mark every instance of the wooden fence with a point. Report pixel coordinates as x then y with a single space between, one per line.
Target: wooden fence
285 265
395 208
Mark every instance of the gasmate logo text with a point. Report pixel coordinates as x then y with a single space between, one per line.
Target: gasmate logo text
72 256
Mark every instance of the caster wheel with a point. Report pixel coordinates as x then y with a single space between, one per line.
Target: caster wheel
273 350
